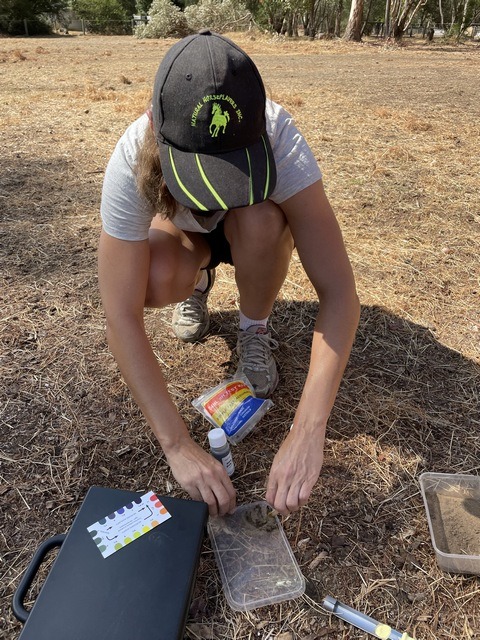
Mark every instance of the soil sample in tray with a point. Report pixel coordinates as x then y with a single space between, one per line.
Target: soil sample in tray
254 558
461 523
452 502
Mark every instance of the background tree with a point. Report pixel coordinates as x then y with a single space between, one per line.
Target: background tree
272 14
14 12
355 21
310 20
103 16
464 13
293 17
142 7
338 18
402 12
129 6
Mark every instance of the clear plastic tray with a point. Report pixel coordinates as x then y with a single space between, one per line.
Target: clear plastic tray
452 503
254 558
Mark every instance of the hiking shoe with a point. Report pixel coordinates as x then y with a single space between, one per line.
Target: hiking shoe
190 319
254 348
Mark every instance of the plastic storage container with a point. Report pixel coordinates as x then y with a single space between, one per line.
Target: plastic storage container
256 563
452 502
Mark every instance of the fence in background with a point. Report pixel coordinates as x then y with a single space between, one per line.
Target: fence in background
28 27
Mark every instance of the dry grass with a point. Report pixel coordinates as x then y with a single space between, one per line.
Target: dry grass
396 132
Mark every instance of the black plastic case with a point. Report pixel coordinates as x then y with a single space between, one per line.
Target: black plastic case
141 591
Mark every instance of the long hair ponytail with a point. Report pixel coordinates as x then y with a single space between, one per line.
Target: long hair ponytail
150 181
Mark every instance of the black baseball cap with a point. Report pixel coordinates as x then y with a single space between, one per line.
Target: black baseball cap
209 122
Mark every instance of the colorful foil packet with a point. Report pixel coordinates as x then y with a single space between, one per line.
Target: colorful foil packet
233 407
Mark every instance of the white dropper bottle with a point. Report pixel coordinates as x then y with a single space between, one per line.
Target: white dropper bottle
220 449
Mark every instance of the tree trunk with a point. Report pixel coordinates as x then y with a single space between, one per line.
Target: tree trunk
420 3
440 11
290 24
354 26
366 17
313 27
386 29
464 19
453 19
402 15
338 18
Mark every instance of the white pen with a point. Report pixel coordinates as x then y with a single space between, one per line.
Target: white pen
362 621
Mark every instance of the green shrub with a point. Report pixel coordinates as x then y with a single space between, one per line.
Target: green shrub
218 15
166 20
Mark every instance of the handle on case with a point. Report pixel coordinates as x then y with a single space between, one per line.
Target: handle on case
18 608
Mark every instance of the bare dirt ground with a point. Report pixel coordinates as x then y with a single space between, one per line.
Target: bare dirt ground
396 132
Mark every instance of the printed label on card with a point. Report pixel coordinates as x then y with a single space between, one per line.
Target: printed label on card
127 524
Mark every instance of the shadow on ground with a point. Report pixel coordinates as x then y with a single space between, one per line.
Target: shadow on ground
406 404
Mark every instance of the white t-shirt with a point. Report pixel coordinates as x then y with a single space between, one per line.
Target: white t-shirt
127 215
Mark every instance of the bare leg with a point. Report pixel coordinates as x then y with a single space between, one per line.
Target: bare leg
261 245
176 258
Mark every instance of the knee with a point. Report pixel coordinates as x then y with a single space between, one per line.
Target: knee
169 281
263 225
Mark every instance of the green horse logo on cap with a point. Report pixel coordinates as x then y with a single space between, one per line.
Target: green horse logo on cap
219 121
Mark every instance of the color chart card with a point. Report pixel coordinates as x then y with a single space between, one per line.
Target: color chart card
127 524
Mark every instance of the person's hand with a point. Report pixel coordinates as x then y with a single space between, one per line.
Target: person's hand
295 470
202 476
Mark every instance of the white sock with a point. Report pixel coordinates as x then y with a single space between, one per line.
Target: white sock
203 281
245 322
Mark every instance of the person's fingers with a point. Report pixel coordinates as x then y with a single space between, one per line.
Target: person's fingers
271 491
279 501
209 497
216 489
232 494
223 490
295 470
288 496
225 495
305 492
204 478
298 496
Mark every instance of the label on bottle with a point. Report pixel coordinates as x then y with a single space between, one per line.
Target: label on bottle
227 462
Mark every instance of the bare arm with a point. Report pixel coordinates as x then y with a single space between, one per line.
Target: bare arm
319 243
123 276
